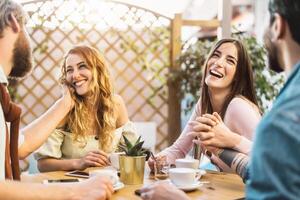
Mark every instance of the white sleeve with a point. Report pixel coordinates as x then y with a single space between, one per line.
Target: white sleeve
21 138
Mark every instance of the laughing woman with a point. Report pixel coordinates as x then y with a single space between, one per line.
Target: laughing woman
227 94
96 120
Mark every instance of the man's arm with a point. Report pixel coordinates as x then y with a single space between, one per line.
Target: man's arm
95 188
237 161
32 191
39 130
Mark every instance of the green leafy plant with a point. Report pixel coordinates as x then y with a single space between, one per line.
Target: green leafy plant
267 83
131 149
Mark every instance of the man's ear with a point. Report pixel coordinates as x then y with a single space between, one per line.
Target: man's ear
13 23
279 26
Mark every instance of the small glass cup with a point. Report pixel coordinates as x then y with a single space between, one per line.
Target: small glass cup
161 169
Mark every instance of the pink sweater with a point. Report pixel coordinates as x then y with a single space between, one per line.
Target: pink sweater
241 117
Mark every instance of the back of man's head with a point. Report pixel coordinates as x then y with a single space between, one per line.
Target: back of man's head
8 7
290 11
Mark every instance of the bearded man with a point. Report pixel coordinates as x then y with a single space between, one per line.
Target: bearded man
15 62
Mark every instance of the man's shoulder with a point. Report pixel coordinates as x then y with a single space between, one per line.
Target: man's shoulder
289 97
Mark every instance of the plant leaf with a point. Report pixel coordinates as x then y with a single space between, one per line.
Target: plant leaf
127 142
137 141
130 149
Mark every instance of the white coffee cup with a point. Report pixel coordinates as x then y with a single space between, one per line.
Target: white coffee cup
183 176
107 173
187 163
114 159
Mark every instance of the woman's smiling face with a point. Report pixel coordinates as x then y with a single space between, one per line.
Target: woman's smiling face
221 67
78 73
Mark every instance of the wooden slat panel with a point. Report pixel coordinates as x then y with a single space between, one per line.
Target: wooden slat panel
214 23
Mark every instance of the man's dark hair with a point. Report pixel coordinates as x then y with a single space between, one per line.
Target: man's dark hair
290 11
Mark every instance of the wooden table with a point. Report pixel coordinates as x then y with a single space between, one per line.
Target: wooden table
221 186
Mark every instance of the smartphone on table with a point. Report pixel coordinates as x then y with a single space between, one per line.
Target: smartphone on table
60 181
77 173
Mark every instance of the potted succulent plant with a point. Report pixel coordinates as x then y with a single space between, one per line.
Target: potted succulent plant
132 164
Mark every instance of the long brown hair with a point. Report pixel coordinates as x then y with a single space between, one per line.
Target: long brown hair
100 97
242 82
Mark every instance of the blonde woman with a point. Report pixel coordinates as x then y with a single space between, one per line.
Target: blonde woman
96 120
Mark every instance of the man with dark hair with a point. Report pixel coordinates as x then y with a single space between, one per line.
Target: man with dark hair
275 162
274 172
274 169
15 62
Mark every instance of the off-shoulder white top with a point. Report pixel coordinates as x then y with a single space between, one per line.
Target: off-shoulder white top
61 144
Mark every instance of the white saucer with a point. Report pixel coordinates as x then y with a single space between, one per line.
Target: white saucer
118 185
191 187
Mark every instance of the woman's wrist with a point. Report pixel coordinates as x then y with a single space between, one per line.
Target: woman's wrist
244 145
235 140
76 164
64 104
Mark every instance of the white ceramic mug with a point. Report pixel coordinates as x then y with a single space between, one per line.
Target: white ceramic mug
187 163
108 173
114 159
183 176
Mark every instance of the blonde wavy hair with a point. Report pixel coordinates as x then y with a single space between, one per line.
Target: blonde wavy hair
98 102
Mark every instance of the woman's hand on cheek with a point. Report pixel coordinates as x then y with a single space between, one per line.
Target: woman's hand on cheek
68 96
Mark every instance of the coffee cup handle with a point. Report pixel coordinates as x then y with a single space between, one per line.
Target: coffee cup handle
198 174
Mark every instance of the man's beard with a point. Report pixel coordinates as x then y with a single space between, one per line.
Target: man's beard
272 53
22 57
